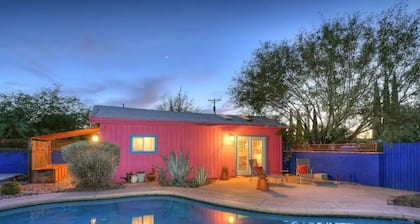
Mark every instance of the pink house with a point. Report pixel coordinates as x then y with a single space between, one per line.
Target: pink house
212 140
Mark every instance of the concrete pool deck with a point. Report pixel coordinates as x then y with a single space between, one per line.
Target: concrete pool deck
285 198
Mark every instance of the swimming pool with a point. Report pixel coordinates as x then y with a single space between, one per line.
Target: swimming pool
156 210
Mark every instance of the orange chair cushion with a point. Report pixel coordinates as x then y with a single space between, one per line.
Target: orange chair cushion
302 169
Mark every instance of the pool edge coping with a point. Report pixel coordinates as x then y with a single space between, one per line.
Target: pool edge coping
38 199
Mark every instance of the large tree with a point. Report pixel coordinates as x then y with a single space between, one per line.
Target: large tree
328 79
178 103
398 70
23 115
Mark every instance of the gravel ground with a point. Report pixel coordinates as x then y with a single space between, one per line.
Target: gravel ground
412 200
31 188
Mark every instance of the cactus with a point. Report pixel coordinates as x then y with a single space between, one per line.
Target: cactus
178 168
201 176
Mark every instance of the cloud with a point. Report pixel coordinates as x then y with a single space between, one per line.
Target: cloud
86 89
140 93
8 87
95 48
33 66
146 92
38 70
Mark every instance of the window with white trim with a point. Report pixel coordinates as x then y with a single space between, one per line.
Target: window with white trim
143 144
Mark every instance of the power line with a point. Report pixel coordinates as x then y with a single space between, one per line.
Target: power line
214 100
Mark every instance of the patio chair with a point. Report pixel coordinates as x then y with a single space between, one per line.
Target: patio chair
303 170
255 169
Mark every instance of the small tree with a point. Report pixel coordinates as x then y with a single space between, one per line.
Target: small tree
92 165
179 103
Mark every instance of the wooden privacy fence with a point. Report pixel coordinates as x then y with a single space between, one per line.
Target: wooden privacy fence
349 147
41 154
42 170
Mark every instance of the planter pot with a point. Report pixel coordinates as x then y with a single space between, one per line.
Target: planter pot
224 175
140 177
133 179
127 177
150 177
262 184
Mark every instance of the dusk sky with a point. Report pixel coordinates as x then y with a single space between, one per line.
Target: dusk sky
136 52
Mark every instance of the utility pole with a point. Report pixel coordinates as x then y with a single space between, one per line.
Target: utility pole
214 100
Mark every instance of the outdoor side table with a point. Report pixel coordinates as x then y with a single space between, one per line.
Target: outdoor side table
280 177
284 174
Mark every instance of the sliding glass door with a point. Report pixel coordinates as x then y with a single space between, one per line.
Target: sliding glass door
249 147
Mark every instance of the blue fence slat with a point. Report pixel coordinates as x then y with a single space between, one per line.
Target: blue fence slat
401 166
13 161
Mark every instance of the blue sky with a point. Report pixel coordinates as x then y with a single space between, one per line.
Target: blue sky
136 52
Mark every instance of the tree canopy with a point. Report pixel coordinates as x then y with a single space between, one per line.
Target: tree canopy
349 75
23 115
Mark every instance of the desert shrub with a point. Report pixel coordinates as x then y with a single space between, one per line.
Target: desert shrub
92 165
177 170
11 188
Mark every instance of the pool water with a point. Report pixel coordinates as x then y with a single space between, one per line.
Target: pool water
156 210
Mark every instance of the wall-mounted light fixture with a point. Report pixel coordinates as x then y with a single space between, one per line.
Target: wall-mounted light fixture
231 137
231 219
95 138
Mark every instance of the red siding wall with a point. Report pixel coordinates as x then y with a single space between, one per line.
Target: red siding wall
208 145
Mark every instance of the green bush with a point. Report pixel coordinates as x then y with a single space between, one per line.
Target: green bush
178 168
92 165
11 188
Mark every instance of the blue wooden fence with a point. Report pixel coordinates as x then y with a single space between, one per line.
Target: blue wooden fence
401 166
16 160
361 168
13 161
398 166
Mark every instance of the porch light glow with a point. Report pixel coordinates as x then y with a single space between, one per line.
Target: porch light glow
93 221
95 138
231 137
231 219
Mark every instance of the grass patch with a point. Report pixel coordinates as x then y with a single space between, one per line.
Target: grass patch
411 200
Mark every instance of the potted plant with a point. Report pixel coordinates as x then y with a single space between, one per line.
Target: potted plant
133 178
140 176
127 177
225 173
151 176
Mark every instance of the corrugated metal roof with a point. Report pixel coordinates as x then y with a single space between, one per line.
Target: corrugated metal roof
158 115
